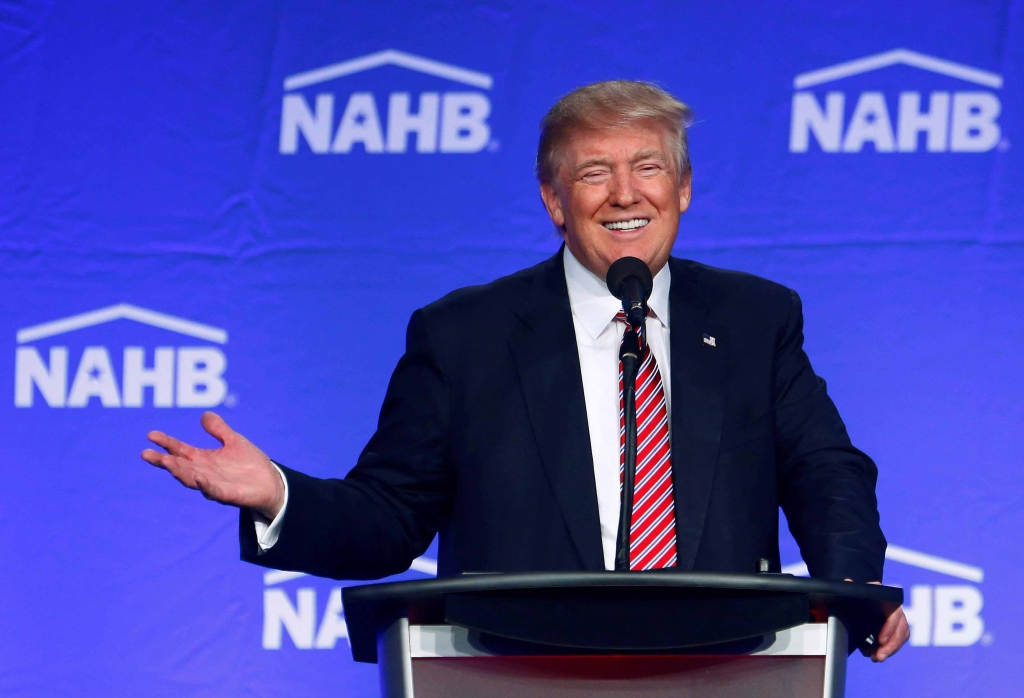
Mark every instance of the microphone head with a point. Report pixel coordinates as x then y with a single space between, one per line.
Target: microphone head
625 268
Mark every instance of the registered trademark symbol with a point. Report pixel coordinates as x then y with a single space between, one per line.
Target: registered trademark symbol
987 639
231 400
493 145
1003 145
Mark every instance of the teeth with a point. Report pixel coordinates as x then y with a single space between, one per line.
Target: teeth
627 225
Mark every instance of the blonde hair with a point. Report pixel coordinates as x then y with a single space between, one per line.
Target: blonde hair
607 105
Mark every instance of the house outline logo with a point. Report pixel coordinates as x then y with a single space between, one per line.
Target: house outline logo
924 561
393 57
958 121
899 56
454 121
122 311
300 621
182 376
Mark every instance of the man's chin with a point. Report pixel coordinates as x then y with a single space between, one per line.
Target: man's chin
645 247
653 260
598 260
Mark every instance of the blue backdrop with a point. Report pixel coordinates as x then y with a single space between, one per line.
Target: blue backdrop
197 199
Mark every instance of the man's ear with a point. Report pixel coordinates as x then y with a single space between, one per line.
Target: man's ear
553 204
685 192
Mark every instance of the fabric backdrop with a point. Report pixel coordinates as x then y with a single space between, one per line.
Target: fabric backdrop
216 205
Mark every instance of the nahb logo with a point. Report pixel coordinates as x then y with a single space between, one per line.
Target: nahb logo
432 121
67 376
940 614
960 121
295 611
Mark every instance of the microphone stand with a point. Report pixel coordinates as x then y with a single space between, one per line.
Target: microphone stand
629 355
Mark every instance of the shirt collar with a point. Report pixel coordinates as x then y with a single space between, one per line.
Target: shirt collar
595 307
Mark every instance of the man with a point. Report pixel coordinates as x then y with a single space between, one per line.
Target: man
500 428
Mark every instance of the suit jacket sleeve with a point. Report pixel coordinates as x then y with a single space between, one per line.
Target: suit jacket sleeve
826 486
387 509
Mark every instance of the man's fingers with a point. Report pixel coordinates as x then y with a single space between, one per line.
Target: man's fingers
171 444
220 474
216 427
892 636
894 633
182 469
164 460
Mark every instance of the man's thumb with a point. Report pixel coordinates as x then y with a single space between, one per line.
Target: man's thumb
216 427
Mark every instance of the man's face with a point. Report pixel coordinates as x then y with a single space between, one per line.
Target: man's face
616 193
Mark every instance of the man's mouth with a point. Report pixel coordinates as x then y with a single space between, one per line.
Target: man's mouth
631 224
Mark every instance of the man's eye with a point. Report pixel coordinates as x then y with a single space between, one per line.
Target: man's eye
649 169
594 176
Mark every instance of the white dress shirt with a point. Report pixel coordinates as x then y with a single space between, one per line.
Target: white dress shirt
598 337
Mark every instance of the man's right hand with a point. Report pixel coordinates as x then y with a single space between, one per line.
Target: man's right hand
237 473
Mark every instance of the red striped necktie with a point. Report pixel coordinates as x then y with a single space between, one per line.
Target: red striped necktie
652 543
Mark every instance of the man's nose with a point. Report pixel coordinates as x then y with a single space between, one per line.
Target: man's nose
623 192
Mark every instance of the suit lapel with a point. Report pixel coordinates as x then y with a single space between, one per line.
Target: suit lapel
548 364
698 405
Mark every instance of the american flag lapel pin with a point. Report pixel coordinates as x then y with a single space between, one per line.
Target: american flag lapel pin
709 340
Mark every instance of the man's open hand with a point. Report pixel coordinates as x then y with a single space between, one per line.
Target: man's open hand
237 473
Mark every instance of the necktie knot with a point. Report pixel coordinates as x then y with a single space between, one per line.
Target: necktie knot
621 315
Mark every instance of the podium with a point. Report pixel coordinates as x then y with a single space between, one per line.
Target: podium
610 634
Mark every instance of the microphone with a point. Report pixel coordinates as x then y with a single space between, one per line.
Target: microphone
630 280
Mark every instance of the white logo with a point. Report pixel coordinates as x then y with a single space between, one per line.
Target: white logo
962 121
449 122
300 619
184 376
940 615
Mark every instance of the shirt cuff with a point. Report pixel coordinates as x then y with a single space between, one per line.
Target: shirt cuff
267 531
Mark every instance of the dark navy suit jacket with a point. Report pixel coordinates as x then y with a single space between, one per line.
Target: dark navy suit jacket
483 437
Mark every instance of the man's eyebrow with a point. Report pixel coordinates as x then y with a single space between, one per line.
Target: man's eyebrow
648 154
590 162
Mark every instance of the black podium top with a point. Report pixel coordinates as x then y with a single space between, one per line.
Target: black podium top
617 611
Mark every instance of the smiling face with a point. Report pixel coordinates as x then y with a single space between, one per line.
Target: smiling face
617 193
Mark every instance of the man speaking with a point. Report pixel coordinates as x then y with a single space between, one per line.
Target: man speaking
501 430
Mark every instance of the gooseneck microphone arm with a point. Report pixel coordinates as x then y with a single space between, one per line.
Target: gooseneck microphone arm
629 280
629 355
